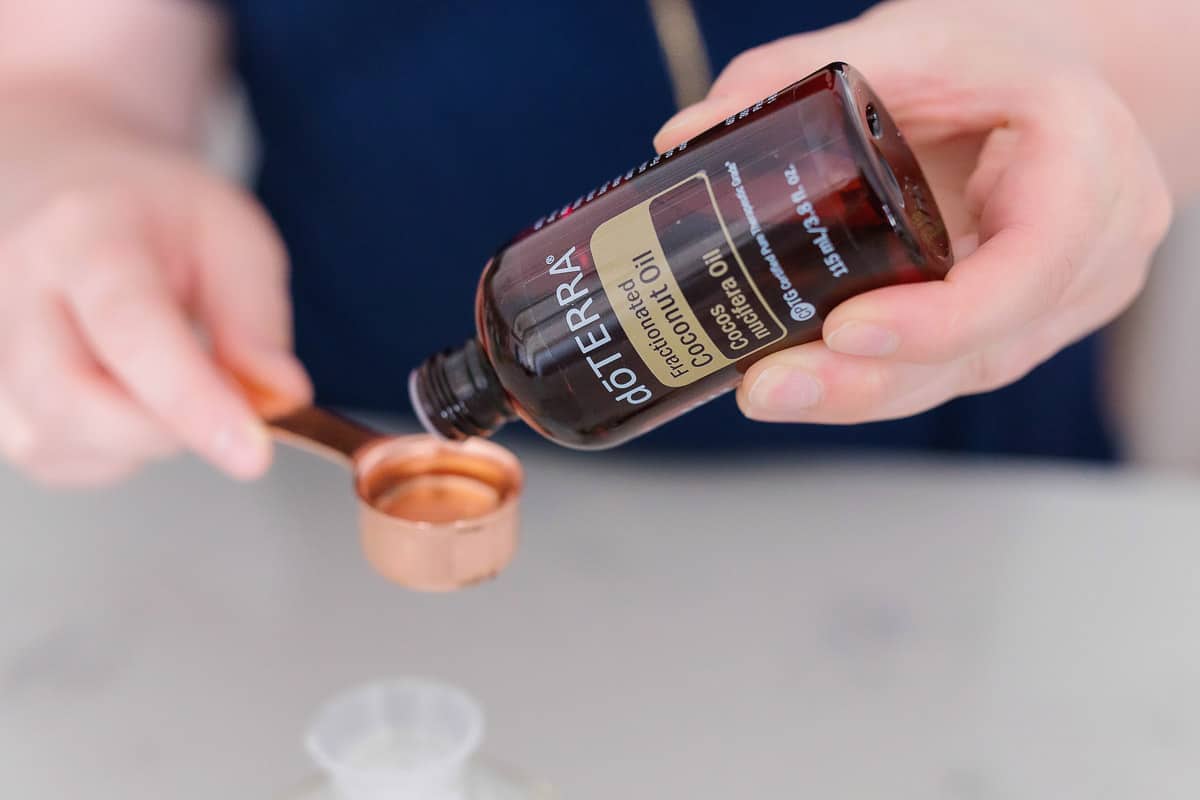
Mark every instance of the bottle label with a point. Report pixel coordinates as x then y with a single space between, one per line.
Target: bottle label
678 238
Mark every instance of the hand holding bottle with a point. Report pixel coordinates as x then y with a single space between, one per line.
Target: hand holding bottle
1051 187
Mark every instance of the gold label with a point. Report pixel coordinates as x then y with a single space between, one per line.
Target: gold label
679 287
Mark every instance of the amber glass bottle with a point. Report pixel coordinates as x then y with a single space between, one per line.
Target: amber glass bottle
655 292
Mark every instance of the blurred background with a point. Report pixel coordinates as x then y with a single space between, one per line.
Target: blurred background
1153 385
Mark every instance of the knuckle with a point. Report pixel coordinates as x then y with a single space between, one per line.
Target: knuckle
988 370
1056 278
1131 286
947 334
874 386
1159 212
954 335
981 373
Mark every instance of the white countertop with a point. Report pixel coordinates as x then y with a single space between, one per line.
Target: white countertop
767 629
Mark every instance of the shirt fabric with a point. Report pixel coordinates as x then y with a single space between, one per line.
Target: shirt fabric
403 142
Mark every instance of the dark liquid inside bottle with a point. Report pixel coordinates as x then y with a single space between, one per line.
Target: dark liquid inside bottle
655 292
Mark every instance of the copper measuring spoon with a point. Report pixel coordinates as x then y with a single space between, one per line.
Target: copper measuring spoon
434 515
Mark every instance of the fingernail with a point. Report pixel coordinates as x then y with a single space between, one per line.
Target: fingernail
863 339
243 449
781 393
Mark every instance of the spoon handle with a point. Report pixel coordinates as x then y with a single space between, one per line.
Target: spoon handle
322 432
309 428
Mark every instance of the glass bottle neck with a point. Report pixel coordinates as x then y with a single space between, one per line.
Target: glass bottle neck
456 394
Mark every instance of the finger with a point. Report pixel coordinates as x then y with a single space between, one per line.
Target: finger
139 334
108 423
83 416
89 434
243 298
813 384
999 151
1036 235
61 393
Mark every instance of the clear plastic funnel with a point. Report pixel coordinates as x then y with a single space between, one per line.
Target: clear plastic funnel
406 739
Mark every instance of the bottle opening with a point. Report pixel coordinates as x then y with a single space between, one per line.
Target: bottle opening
456 395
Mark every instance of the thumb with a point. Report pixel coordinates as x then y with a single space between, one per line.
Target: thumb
906 60
241 291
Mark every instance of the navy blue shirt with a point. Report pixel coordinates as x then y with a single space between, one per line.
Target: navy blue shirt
403 142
